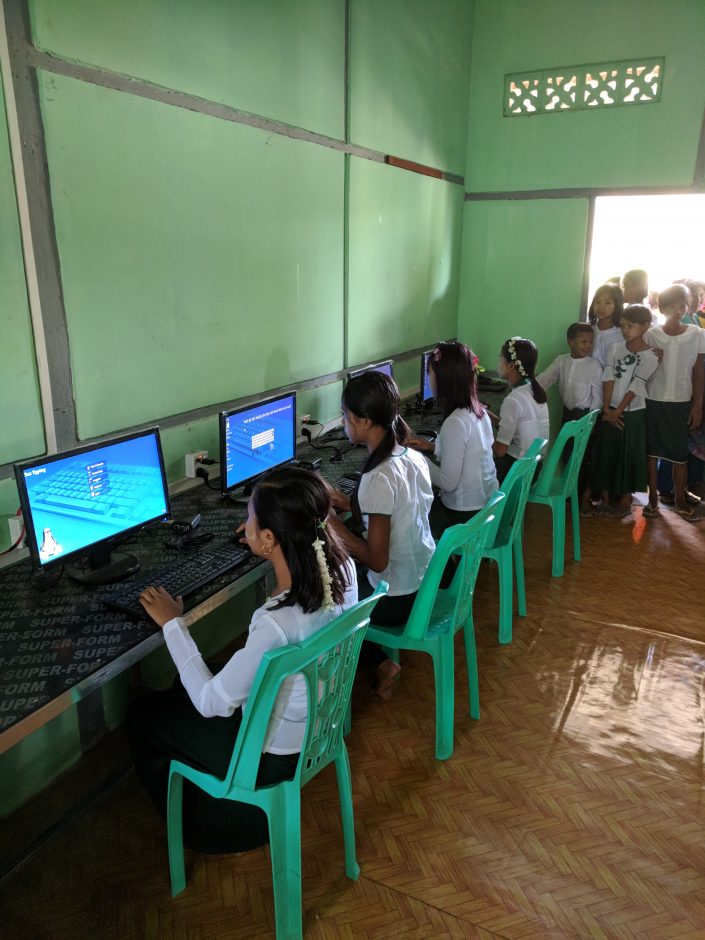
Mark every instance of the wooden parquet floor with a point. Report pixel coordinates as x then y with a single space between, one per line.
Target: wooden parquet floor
573 808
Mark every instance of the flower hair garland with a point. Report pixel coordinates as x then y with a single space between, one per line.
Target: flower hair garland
515 360
318 544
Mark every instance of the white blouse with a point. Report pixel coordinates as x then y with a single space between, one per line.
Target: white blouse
466 475
400 487
603 340
630 372
579 381
674 380
221 694
521 419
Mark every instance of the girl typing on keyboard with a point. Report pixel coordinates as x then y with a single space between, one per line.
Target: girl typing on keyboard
198 719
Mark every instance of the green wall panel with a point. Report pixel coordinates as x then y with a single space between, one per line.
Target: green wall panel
641 145
283 59
522 274
201 260
404 260
409 72
22 434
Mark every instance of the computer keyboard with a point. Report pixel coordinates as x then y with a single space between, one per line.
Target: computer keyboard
346 484
179 578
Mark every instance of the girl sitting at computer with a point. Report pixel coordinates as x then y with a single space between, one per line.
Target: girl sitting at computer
391 500
197 721
465 472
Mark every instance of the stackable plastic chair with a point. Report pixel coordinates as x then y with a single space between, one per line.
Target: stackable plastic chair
558 483
437 616
328 661
504 544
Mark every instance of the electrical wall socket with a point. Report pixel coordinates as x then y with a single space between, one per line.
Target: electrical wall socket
16 524
192 460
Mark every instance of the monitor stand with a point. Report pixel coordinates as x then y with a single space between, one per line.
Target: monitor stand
103 567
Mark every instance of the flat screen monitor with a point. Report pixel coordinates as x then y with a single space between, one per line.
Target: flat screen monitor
425 393
81 502
255 439
384 367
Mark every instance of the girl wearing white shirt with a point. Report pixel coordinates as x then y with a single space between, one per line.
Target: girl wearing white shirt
524 412
286 523
392 500
465 473
605 314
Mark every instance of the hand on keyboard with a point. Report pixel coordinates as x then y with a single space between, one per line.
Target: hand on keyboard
160 605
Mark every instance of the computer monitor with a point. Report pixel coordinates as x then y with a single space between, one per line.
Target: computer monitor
384 367
425 393
256 438
79 503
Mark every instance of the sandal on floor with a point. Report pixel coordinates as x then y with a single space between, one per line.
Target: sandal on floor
688 514
651 512
668 499
692 499
621 513
602 510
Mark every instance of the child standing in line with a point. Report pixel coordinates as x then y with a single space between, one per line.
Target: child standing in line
579 378
619 451
524 412
392 500
604 314
675 396
465 472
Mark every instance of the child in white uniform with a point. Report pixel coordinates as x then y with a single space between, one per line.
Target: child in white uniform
392 501
605 314
619 454
287 516
465 473
524 412
579 378
675 396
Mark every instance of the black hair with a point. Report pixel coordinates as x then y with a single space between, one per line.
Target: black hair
525 355
453 365
615 294
375 396
637 313
637 277
673 296
576 328
294 503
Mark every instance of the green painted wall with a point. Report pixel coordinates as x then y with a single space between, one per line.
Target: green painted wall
522 273
202 257
646 145
20 407
409 69
404 260
283 59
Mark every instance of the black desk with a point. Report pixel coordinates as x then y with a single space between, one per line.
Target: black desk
59 646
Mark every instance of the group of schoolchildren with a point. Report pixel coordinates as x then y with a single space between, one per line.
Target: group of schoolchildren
321 565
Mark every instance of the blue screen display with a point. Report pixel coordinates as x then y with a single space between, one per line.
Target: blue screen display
384 367
81 499
426 393
258 439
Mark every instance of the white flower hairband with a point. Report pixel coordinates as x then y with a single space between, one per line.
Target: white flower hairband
328 602
516 361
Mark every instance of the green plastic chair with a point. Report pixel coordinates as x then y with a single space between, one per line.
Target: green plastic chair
504 544
437 616
558 483
328 661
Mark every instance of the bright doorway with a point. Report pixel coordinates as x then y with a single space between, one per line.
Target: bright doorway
664 235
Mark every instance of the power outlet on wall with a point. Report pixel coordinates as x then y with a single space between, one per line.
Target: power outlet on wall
192 459
16 525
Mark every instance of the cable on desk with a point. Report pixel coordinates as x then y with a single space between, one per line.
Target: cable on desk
36 584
